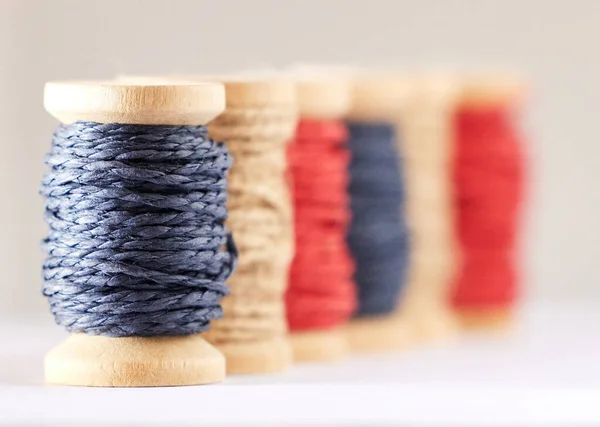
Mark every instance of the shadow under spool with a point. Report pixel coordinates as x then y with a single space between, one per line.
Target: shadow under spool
488 177
378 99
320 297
134 361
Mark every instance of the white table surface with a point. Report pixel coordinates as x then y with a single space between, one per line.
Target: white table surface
546 373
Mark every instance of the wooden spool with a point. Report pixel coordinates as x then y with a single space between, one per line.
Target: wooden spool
267 111
481 91
379 97
321 98
426 128
100 361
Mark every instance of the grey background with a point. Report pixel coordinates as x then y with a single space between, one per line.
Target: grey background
554 42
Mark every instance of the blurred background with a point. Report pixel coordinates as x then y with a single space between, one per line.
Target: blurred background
553 42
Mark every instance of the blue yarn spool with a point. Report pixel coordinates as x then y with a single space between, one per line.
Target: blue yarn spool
378 236
136 216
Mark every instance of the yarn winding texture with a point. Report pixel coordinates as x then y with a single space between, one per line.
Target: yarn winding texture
137 244
378 236
260 217
321 293
489 178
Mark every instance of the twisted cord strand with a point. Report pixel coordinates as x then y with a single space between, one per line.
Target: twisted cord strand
260 216
137 245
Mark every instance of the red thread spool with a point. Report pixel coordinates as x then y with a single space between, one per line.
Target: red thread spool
321 297
488 177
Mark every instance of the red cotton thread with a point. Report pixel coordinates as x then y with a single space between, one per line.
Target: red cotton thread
321 293
488 177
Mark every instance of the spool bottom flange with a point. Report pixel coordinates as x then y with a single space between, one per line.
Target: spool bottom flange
97 361
330 345
486 318
256 357
378 334
434 324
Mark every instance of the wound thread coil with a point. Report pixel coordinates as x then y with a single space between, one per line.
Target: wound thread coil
321 293
136 219
489 174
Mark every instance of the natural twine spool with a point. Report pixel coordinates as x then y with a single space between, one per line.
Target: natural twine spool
426 125
258 121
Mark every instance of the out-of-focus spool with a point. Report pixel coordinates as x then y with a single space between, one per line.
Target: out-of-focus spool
426 127
131 361
487 302
258 121
379 98
320 335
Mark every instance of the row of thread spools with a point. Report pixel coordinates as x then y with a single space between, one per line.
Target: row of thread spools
368 211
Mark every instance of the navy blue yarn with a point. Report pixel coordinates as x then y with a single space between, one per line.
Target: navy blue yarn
137 244
378 237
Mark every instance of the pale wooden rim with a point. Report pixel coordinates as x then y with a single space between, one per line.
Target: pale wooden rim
114 102
488 90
